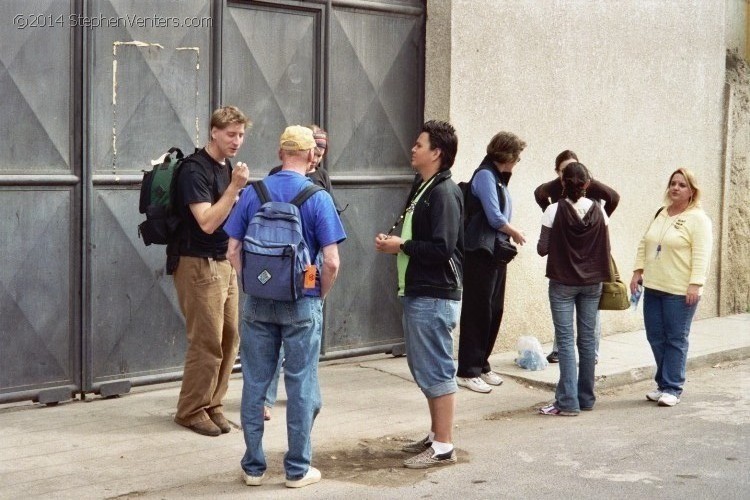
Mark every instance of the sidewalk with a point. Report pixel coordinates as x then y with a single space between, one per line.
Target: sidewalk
130 446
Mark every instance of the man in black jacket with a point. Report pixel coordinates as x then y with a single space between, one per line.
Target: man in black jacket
430 275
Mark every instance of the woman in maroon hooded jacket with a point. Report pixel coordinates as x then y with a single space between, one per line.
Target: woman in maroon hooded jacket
576 241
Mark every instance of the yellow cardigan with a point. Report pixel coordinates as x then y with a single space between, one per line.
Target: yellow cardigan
675 251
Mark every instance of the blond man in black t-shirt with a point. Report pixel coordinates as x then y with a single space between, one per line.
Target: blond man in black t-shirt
206 283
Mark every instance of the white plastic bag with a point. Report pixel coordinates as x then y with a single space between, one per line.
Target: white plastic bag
530 354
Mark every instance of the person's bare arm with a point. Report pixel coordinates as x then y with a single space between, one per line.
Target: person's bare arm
211 216
516 234
233 254
330 269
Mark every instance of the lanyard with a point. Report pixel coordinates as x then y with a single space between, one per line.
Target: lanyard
412 204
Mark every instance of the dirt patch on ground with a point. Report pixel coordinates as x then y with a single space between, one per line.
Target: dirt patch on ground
370 462
373 462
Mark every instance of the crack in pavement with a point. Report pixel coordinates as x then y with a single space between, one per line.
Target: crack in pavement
410 379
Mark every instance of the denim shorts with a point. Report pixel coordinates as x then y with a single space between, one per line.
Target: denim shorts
428 326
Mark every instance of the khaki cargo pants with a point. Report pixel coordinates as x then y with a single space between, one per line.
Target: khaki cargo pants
208 296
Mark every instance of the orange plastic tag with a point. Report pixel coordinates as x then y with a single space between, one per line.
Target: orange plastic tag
310 276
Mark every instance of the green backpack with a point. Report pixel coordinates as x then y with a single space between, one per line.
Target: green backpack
158 191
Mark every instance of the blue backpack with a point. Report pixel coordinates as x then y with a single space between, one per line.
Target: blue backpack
274 253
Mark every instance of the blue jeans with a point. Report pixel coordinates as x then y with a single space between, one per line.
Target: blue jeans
598 335
266 325
273 389
428 326
667 318
575 390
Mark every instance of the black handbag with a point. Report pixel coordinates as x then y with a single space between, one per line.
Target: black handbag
479 237
505 251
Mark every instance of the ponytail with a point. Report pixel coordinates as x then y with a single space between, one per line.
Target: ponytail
575 178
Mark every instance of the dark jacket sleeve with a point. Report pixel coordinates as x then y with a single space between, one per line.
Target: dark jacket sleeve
541 195
548 193
445 212
542 246
600 191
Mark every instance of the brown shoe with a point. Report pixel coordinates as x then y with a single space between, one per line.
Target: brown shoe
221 422
206 428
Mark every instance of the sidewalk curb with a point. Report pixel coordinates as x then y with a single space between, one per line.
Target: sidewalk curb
640 373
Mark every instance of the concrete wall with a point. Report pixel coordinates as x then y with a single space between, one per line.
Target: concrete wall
635 88
438 53
735 265
737 27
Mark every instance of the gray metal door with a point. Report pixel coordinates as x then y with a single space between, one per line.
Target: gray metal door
40 192
84 305
356 68
149 92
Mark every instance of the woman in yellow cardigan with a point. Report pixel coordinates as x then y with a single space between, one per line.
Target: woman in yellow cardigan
672 263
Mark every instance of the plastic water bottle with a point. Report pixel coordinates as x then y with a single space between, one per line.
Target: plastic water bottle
636 297
535 363
530 360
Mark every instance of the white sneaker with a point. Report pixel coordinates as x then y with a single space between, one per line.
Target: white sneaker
312 477
253 480
667 399
654 395
492 378
475 384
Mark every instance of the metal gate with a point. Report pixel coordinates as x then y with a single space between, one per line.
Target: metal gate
149 92
40 200
355 68
84 306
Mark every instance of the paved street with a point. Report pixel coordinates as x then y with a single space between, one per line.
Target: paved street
626 448
129 447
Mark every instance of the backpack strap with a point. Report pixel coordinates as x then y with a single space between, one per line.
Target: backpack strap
177 150
305 194
261 191
264 196
658 212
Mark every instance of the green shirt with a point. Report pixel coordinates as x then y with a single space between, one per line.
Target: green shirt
402 260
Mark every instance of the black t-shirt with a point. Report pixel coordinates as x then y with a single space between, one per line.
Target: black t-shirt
319 177
201 179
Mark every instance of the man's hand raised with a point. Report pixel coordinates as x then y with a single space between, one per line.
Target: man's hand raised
240 175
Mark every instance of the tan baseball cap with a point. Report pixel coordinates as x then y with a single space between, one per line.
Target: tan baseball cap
297 138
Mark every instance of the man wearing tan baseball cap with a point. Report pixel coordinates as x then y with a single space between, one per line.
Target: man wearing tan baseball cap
267 324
